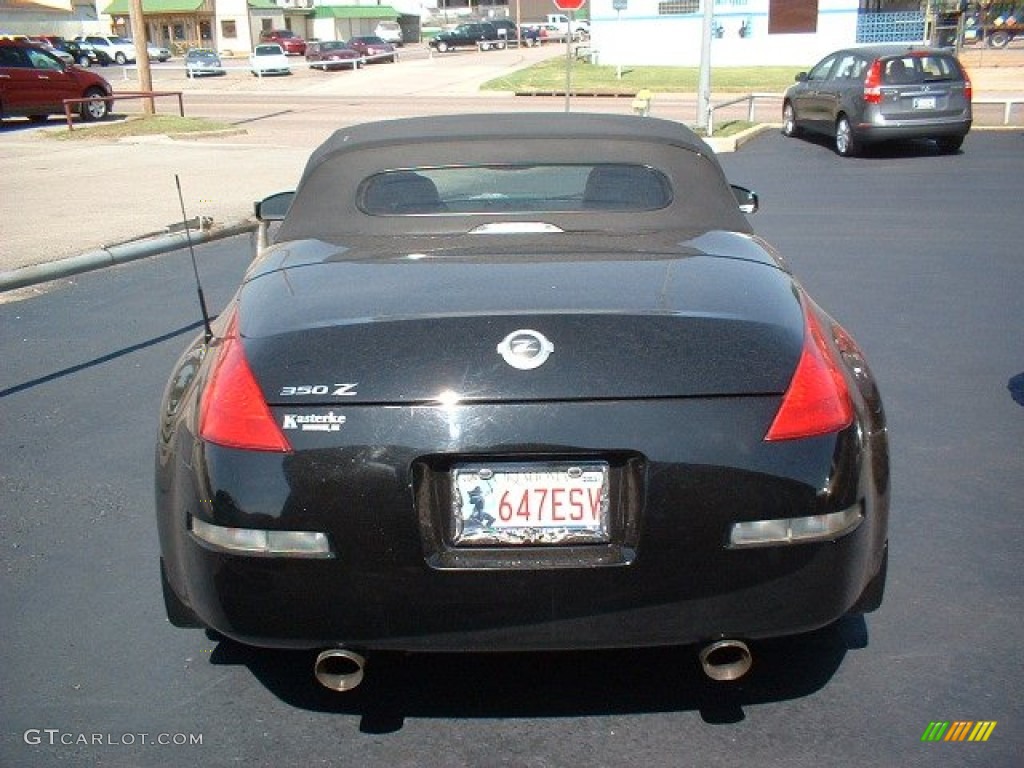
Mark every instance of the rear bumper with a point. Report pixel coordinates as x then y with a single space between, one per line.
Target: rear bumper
894 130
673 579
312 604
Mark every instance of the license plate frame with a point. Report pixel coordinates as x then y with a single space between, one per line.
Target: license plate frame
545 503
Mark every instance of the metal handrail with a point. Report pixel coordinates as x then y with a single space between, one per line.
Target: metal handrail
1007 105
68 103
750 98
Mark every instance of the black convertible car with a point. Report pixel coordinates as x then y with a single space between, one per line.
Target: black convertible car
519 382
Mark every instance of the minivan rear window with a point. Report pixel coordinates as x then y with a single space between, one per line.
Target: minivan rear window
919 68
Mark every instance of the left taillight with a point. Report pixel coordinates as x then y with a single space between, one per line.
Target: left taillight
873 83
817 401
233 412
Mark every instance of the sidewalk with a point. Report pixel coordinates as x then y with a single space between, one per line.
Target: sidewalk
65 199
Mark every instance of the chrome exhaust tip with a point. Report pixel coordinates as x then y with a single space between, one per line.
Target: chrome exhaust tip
726 660
339 669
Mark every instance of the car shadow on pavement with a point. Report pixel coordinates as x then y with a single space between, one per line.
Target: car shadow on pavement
885 150
28 126
563 684
49 377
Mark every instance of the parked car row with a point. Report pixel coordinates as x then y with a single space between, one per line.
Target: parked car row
84 55
293 44
120 50
34 83
272 58
89 50
498 33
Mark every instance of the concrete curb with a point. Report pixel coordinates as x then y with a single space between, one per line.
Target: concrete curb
122 253
732 143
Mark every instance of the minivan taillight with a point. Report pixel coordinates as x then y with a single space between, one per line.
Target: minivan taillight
873 83
817 401
233 412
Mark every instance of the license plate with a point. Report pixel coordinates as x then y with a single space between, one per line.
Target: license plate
530 504
924 102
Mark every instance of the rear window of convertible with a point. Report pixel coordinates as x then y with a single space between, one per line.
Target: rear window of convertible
515 189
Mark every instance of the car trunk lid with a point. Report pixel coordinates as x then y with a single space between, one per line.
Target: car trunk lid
922 87
408 329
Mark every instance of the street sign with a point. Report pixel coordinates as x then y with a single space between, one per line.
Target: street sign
619 5
569 5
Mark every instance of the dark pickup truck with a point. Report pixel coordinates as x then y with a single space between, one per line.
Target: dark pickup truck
483 35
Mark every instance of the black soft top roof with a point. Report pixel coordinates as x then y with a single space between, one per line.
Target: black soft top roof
506 127
325 206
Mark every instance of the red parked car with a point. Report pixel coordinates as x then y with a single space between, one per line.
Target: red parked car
292 44
34 84
373 48
332 54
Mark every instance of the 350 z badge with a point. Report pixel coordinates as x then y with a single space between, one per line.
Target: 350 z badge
332 390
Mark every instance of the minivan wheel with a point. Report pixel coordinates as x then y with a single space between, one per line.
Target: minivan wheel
789 126
949 145
846 143
120 58
97 109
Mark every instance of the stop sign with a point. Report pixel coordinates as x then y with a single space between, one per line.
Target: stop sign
569 5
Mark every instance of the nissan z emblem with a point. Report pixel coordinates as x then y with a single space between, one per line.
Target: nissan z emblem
525 349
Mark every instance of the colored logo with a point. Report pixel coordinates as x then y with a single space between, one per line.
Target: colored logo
958 730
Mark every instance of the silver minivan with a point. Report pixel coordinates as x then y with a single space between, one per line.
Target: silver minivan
879 93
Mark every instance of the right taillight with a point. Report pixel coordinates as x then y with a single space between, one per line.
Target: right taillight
817 401
233 412
873 83
968 88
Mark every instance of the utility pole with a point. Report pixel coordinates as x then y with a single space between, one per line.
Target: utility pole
704 78
138 23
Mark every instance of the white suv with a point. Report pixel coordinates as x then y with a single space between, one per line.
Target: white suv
120 49
389 31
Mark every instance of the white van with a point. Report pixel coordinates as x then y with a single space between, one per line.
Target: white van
389 31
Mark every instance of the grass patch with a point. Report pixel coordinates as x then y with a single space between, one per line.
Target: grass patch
147 125
549 76
730 128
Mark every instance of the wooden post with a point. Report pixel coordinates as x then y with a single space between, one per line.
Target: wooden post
138 23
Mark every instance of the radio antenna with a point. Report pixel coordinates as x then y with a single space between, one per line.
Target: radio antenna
207 331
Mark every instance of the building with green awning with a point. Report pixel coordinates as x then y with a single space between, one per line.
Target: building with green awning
340 22
234 26
172 23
